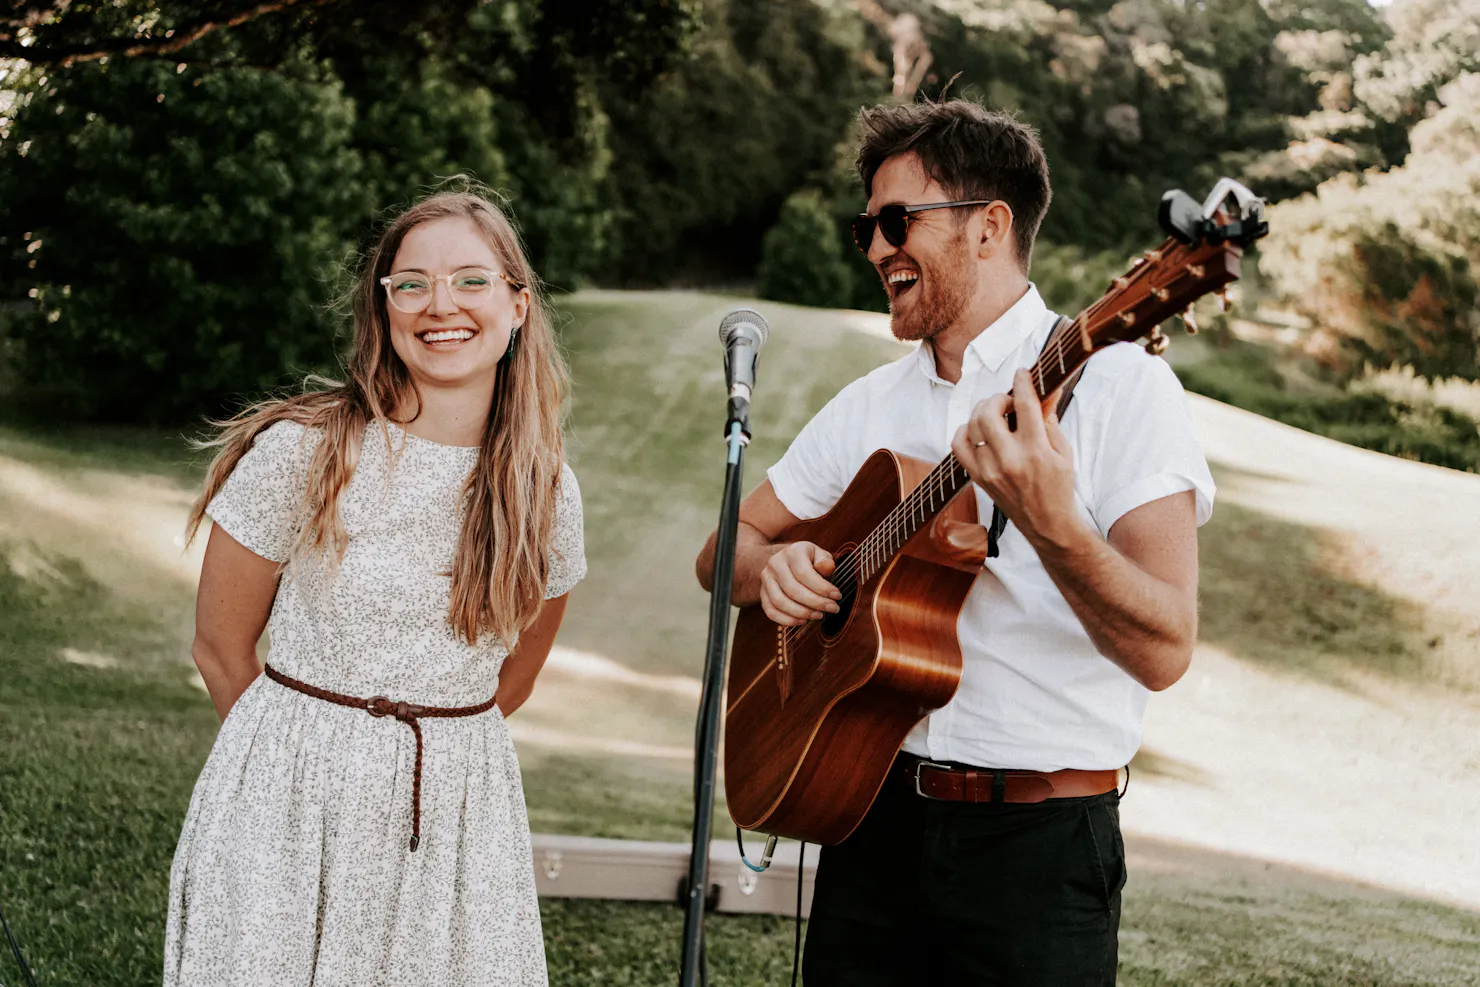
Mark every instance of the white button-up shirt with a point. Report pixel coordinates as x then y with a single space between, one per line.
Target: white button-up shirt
1034 693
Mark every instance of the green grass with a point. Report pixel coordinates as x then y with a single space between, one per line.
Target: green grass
1246 930
98 762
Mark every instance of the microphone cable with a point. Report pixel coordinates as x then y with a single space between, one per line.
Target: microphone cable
796 945
15 951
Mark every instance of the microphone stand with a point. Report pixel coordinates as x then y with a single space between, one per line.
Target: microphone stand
706 741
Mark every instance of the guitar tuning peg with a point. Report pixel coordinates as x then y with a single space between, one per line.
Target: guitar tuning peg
1223 303
1156 343
1189 321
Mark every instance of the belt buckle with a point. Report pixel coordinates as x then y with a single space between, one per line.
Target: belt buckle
920 766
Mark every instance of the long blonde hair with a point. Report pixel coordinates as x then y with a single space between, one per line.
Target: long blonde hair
501 563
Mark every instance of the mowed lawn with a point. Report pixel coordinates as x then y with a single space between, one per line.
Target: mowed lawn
103 727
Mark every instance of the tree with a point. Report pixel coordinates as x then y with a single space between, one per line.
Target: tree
174 224
1387 264
177 232
702 162
57 33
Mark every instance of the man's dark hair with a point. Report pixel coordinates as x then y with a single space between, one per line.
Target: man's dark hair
972 152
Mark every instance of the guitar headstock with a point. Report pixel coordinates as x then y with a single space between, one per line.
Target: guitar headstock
1200 256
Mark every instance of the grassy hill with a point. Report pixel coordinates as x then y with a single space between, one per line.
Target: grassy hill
1300 815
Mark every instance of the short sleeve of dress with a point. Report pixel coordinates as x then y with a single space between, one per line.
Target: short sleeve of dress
258 503
567 540
1149 446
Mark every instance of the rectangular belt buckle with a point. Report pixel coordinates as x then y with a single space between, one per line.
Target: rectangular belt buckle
920 766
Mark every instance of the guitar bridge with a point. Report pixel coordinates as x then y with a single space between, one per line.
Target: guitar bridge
783 665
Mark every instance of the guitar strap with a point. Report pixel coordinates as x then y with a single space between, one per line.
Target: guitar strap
999 520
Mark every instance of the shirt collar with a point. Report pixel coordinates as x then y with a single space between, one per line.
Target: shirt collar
994 344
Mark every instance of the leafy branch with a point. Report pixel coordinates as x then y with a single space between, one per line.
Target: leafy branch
25 17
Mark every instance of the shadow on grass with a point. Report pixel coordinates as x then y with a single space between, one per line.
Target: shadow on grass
111 448
1201 917
1272 593
49 602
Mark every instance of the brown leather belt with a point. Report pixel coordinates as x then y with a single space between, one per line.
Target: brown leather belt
381 706
950 783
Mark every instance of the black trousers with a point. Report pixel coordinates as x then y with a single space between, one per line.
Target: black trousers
928 892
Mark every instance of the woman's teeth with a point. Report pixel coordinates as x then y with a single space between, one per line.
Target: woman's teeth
446 335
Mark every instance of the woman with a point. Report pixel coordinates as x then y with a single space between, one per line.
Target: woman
361 819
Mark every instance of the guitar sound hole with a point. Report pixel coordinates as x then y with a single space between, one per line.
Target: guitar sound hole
833 623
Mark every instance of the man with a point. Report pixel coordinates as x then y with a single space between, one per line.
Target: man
1090 605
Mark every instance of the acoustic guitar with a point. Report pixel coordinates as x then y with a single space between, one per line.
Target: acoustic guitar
815 714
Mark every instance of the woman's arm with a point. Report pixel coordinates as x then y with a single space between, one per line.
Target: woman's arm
516 678
237 587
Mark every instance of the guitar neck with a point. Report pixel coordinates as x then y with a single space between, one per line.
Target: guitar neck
1067 350
1161 283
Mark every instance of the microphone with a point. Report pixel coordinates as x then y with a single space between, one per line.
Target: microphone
742 333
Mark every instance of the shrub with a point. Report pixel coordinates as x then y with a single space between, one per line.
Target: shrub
802 256
1245 376
176 233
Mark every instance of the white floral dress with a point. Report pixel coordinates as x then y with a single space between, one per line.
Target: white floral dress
293 866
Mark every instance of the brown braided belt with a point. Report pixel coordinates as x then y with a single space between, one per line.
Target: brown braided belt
407 713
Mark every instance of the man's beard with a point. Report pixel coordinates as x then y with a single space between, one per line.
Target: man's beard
948 292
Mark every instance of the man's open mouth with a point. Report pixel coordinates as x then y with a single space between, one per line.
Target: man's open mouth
901 281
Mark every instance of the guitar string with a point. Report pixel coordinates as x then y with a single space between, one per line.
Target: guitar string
935 482
923 496
868 552
867 557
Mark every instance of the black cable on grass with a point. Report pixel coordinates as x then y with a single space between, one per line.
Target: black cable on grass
15 950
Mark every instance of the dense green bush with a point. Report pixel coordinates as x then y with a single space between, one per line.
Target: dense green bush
703 161
1246 377
1069 278
802 257
178 232
173 236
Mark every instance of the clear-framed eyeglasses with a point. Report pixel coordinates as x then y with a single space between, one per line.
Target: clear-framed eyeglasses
471 287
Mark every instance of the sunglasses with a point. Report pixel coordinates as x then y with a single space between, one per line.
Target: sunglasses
893 221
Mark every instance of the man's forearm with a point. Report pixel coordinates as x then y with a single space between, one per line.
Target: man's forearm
1143 624
752 551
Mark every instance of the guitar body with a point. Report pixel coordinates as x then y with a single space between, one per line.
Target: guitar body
813 721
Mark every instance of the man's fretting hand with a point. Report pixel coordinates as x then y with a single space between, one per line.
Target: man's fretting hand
1028 473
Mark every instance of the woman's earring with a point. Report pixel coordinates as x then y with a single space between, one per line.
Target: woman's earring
513 342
